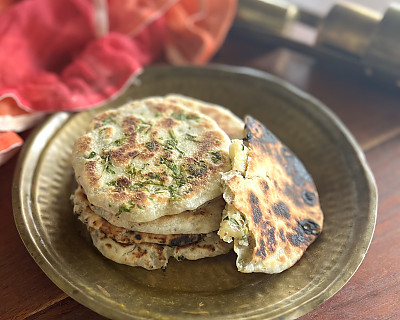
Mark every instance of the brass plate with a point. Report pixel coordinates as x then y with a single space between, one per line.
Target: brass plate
210 288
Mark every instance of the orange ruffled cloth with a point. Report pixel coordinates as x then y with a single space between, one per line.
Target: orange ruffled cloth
77 54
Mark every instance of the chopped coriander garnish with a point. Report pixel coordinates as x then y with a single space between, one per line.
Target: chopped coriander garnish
190 137
108 120
172 134
145 126
151 145
216 156
123 208
183 116
227 218
120 142
109 170
106 161
131 170
92 155
172 143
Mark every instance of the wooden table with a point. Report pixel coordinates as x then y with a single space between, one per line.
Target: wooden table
371 112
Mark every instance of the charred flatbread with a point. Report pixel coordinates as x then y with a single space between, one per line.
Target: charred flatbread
150 158
154 256
273 212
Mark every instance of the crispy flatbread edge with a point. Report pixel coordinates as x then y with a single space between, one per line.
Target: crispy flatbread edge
154 256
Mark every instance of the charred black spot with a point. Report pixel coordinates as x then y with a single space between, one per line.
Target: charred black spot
281 209
271 239
185 239
309 197
181 258
255 208
261 251
297 239
138 237
293 194
310 227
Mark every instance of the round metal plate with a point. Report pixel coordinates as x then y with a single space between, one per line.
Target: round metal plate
211 288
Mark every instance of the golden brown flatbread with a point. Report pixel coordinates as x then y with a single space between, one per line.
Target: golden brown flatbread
273 211
150 158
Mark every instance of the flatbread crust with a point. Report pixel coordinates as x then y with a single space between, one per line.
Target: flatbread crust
226 119
86 215
202 220
154 256
150 158
272 205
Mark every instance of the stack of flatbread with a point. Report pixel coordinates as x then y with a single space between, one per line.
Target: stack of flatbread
149 179
161 177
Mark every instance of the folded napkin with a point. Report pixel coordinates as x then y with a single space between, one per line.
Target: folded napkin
77 54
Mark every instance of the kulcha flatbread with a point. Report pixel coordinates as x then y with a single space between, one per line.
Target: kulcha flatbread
226 119
202 220
150 158
272 212
153 256
91 220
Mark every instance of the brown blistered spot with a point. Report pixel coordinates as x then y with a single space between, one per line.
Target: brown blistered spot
123 154
108 245
130 123
90 168
168 123
271 239
281 210
309 197
124 181
255 208
120 196
107 132
261 250
83 144
140 252
139 197
208 141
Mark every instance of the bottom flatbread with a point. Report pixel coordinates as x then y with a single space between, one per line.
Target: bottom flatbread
153 256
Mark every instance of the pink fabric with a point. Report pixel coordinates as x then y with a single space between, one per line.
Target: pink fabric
52 57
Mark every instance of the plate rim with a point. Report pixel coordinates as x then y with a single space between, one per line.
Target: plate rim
57 120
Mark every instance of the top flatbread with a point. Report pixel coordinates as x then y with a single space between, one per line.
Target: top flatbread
226 119
151 158
273 209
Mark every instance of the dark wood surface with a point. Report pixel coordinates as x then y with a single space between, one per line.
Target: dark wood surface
370 111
